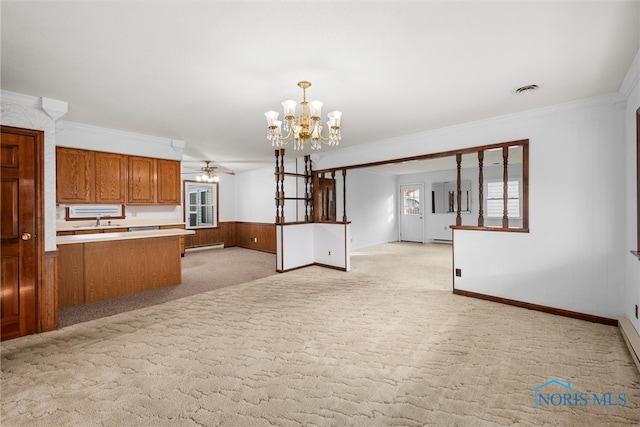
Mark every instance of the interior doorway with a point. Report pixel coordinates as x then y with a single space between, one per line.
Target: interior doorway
411 213
20 230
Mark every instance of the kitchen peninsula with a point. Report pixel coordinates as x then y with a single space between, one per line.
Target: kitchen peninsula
103 265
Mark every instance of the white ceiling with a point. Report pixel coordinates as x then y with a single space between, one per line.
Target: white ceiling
205 72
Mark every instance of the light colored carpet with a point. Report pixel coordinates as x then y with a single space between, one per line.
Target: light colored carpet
317 347
202 271
426 265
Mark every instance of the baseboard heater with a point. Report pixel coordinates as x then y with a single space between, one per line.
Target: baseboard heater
205 247
631 338
443 241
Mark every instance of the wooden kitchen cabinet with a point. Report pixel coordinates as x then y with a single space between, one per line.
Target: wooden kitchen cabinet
153 181
110 178
96 177
142 181
168 182
182 238
84 176
74 176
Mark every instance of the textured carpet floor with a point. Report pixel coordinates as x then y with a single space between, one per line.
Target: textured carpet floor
202 271
318 347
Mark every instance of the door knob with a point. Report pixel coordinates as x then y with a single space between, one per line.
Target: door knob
26 236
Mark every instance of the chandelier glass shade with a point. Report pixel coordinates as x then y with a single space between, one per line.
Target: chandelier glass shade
306 127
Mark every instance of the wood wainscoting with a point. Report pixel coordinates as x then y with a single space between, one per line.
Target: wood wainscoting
48 294
250 235
257 236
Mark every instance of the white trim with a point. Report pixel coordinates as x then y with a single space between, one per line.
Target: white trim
632 77
20 99
120 134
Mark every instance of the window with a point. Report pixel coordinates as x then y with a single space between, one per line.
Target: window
495 199
201 208
411 197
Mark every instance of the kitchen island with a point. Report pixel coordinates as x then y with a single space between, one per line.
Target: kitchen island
98 266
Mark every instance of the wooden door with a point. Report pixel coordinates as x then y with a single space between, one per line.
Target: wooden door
74 175
142 181
110 174
19 172
168 182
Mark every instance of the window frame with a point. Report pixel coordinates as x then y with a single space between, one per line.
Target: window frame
187 205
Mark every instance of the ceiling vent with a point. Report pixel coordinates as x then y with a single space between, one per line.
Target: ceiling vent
526 89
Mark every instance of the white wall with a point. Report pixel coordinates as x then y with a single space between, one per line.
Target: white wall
371 207
631 289
300 245
572 258
77 135
227 198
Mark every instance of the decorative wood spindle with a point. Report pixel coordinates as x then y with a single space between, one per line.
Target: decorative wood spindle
279 175
308 189
459 189
344 195
480 188
505 187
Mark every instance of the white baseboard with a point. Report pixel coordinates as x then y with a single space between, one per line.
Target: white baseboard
632 338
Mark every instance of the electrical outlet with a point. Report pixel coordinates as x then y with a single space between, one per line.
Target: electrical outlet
458 272
254 239
134 214
636 311
329 253
445 227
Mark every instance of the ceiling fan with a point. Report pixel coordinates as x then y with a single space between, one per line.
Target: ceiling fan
209 173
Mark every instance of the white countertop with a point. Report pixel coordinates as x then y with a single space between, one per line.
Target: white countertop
115 223
105 237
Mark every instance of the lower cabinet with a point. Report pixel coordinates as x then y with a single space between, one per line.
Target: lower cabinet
182 238
94 271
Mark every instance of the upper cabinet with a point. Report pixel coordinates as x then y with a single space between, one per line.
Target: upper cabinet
87 177
142 181
153 181
75 182
168 191
110 178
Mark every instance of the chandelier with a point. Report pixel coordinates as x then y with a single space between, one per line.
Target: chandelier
305 127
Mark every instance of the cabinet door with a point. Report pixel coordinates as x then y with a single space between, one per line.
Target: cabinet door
74 176
110 174
168 182
142 181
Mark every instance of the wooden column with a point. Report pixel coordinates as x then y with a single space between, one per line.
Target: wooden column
344 195
279 175
481 188
505 187
308 189
459 189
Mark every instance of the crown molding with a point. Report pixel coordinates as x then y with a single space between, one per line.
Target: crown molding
631 78
21 99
